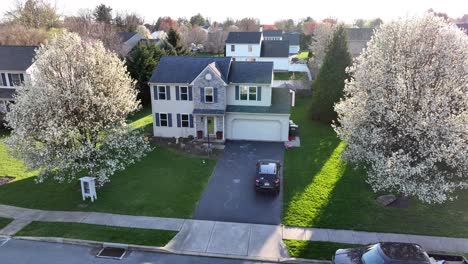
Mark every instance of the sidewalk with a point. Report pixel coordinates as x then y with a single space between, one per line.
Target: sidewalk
224 238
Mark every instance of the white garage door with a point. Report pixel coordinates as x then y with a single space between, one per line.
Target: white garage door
249 129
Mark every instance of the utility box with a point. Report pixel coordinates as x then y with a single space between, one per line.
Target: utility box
88 188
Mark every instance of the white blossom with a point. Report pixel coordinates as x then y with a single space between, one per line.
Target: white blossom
70 121
404 115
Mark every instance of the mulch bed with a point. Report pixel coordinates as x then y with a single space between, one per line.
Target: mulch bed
5 179
400 202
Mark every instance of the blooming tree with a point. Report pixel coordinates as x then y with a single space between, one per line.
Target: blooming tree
70 121
323 34
404 115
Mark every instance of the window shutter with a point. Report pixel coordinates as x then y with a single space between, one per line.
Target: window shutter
202 94
169 120
168 92
177 92
191 120
190 96
178 120
4 79
10 79
156 115
155 92
215 94
22 78
237 92
259 93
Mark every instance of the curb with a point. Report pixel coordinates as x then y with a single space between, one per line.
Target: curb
90 243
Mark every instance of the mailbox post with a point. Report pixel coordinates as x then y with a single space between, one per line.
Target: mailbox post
88 188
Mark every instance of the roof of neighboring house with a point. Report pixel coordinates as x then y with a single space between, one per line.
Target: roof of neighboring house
269 27
7 93
280 104
275 48
244 37
359 34
292 37
149 41
124 36
16 58
272 33
463 26
251 72
184 69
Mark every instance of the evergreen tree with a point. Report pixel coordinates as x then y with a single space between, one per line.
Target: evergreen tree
141 63
327 88
103 13
173 37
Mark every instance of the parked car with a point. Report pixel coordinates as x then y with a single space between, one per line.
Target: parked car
394 253
268 176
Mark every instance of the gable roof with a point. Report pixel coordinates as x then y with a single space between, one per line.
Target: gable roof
244 37
16 58
292 37
251 72
275 48
124 36
272 33
359 34
184 69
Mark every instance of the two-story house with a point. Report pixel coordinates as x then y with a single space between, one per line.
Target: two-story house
16 64
244 46
218 97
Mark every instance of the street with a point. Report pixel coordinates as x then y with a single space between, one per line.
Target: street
21 251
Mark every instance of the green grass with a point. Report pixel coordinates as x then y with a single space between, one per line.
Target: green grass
141 119
314 249
323 191
303 55
207 54
290 75
164 183
136 236
4 222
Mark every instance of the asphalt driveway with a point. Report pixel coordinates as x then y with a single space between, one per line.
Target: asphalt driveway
230 194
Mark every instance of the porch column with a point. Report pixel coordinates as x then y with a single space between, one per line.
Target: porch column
224 129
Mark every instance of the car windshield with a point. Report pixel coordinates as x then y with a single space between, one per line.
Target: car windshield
372 256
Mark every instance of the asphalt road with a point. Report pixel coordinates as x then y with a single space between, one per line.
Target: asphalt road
230 194
25 252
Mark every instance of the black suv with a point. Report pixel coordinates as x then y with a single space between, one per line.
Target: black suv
268 176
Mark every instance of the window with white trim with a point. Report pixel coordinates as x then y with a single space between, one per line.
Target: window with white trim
248 93
184 120
244 92
162 93
209 96
183 93
233 48
252 93
163 120
2 83
15 79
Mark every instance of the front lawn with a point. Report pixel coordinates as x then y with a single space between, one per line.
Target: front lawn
314 249
290 75
323 191
135 236
164 183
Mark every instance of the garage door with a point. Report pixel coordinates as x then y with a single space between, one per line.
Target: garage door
249 129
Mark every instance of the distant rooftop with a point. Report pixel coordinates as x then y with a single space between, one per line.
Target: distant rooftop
244 37
359 34
275 48
272 33
16 58
124 36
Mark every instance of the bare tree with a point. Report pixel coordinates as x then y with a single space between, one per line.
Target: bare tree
196 35
34 14
215 41
248 24
14 34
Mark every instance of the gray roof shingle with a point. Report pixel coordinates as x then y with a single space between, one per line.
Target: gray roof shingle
244 37
280 104
293 38
251 72
272 33
184 69
16 58
275 48
124 36
359 34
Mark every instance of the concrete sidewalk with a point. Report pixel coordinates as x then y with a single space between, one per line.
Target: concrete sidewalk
225 238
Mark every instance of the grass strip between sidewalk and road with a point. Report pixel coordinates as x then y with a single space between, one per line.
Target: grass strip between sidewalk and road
314 249
124 235
4 222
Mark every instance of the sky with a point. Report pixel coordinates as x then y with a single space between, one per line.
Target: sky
267 11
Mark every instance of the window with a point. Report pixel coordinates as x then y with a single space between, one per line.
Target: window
233 48
184 93
184 118
252 93
162 92
15 79
3 80
243 93
250 48
163 120
209 98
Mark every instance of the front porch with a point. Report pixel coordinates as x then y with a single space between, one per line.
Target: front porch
210 126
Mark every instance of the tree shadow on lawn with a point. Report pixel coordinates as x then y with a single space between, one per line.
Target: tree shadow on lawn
155 186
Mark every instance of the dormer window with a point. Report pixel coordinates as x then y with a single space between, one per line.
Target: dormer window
233 48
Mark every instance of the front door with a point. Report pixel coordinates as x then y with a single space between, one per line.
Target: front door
210 124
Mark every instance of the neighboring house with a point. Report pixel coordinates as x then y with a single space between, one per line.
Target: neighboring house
463 26
272 34
159 35
293 39
16 64
219 98
276 51
129 40
244 46
357 39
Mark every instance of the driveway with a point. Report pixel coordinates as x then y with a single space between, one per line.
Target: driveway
230 194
